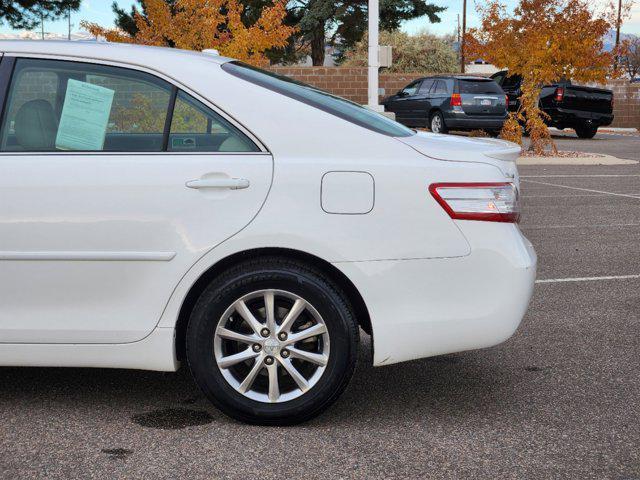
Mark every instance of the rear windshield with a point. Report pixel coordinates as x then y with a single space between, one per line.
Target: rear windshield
322 100
478 86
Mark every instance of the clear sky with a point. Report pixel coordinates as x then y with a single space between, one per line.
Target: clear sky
454 7
99 11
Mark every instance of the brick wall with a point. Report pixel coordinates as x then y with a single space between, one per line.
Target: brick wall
627 103
351 83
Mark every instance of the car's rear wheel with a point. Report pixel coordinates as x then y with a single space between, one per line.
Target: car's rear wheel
272 342
586 131
436 123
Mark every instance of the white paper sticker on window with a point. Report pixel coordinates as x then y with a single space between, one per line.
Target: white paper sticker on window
84 118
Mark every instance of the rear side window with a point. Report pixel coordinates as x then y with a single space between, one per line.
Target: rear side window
439 88
479 86
349 111
55 105
196 128
426 86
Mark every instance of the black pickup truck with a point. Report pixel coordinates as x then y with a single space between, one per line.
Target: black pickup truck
569 106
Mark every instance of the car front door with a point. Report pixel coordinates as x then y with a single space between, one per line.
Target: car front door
113 183
402 102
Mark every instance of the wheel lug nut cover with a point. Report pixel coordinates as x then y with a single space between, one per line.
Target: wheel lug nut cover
264 332
268 360
282 336
256 347
285 353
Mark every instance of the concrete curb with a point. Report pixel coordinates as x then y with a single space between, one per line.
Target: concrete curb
601 160
603 130
618 130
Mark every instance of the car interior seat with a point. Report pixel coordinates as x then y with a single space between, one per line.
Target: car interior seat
36 126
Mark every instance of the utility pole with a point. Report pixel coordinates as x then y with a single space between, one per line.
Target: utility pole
42 25
618 23
374 61
458 30
464 32
69 18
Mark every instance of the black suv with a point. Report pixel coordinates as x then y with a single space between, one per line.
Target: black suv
457 103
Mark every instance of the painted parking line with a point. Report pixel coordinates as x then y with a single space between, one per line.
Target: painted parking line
573 195
588 279
580 176
582 189
608 225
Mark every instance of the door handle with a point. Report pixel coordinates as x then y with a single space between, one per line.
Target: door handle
231 183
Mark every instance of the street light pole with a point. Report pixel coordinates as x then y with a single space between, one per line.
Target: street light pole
464 31
374 62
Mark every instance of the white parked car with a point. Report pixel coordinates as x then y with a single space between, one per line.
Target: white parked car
160 206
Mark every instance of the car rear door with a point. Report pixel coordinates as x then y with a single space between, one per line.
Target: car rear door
420 104
481 97
113 183
440 95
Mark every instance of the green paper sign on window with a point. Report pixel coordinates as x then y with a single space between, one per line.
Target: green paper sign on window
84 118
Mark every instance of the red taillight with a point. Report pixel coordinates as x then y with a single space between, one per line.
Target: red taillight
506 99
456 100
491 202
559 94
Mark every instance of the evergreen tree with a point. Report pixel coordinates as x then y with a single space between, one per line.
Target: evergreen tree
27 14
340 23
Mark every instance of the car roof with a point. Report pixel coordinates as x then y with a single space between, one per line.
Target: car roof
159 58
455 77
473 78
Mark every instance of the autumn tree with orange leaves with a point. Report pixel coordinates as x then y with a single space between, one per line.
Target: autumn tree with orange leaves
543 41
202 24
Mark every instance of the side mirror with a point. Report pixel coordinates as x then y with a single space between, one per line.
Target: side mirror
402 93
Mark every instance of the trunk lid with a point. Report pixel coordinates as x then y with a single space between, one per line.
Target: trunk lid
490 151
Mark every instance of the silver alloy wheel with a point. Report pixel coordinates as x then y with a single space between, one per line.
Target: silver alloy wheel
271 346
436 124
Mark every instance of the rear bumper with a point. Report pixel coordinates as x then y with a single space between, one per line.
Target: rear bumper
561 117
422 308
467 122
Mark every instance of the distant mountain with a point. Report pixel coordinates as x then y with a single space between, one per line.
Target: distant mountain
33 35
610 39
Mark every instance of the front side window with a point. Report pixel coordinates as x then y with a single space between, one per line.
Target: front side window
412 88
349 111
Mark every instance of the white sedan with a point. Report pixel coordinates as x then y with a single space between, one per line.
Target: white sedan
160 206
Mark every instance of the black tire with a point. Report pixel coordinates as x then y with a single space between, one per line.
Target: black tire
286 275
435 117
586 131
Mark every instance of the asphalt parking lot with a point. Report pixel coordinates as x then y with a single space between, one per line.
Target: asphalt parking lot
625 145
560 400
